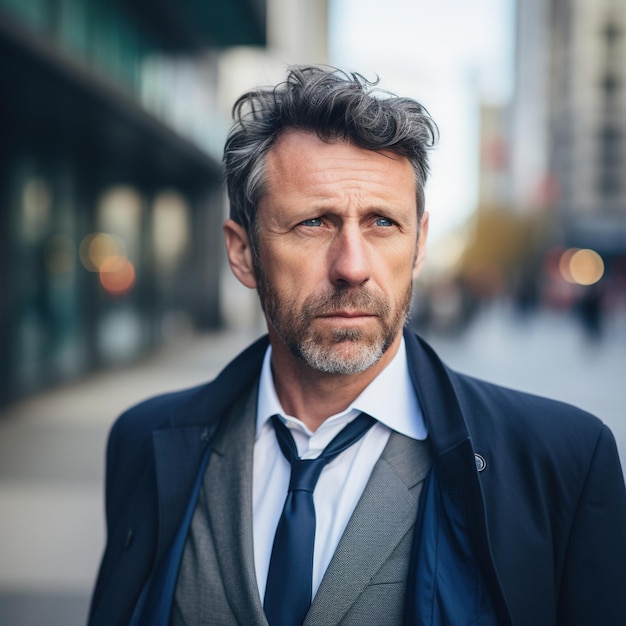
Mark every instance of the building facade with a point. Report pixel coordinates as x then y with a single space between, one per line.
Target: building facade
568 130
110 190
588 121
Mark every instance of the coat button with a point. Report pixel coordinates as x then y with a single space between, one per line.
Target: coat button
481 464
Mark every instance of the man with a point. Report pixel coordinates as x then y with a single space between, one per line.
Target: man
436 498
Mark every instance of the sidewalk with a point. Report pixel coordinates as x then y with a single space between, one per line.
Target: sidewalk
52 445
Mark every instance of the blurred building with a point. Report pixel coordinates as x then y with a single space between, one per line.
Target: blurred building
502 238
110 192
588 122
568 136
529 125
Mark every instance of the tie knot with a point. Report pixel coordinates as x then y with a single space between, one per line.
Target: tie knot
305 473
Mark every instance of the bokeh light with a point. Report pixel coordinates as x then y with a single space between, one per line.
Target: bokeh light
98 248
581 266
117 275
586 267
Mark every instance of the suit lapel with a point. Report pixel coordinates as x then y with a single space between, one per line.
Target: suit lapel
389 502
178 452
228 494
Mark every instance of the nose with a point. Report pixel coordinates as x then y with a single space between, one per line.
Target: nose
350 263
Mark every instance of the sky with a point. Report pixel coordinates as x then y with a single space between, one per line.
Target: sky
450 55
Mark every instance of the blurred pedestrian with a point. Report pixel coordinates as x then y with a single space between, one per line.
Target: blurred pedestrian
590 311
337 471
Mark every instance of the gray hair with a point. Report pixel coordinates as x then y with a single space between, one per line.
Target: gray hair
338 106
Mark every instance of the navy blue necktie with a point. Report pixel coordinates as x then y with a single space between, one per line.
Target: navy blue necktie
289 580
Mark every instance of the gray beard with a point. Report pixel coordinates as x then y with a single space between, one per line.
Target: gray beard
294 327
324 359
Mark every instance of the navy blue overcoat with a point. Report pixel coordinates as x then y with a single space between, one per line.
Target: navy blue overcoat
538 485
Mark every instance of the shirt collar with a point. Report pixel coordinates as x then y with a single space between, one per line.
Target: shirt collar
390 398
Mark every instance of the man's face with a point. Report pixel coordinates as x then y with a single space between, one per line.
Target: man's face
338 241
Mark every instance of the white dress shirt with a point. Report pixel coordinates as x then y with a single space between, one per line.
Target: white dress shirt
390 398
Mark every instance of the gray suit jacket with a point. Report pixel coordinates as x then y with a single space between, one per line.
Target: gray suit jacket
366 579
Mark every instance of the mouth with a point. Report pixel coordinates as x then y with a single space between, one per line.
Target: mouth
347 319
347 314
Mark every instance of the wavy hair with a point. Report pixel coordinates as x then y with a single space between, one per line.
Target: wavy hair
338 106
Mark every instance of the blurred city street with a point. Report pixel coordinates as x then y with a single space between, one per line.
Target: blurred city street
112 200
52 445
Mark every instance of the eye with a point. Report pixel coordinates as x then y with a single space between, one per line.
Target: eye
383 221
314 221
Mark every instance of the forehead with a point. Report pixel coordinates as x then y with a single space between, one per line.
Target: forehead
301 158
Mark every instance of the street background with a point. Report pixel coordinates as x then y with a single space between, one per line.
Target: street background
113 281
52 445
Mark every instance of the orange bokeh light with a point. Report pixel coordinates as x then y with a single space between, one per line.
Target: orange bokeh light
581 267
586 267
96 248
117 275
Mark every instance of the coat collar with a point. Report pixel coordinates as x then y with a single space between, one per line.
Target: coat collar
435 392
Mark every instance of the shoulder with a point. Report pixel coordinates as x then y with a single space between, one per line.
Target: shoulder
517 409
530 440
511 425
140 420
195 406
505 412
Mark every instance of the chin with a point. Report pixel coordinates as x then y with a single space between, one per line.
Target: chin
346 357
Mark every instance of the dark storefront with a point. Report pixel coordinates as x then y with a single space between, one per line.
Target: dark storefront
109 218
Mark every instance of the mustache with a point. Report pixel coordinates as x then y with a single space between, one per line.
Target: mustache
347 298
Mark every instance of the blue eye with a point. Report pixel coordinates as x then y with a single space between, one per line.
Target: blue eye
383 221
315 221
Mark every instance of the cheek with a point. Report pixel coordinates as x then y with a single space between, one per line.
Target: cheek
294 277
395 267
305 264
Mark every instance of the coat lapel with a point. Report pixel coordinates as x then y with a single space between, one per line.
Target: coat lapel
179 455
389 502
454 459
178 452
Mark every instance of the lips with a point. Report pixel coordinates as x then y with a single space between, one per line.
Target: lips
348 314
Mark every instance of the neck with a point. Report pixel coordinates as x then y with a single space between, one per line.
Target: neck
313 396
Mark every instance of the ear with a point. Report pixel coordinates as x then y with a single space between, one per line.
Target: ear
239 253
420 252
